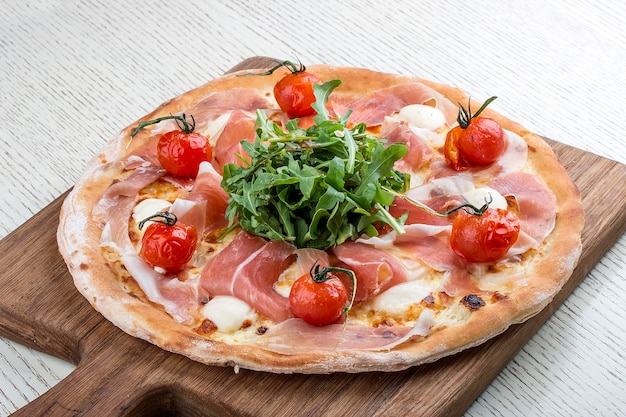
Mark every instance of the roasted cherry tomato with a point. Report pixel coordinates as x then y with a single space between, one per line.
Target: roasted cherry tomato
180 152
319 297
166 244
476 141
486 237
294 92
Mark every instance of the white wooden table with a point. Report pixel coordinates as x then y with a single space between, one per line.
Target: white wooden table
73 73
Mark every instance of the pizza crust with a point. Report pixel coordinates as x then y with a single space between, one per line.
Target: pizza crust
79 244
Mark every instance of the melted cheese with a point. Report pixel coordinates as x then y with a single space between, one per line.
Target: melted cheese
479 196
398 299
422 116
145 209
228 313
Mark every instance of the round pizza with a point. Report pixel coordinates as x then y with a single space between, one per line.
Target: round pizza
321 219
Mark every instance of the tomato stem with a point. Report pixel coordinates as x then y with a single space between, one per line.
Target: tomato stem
181 122
293 68
465 115
167 218
322 275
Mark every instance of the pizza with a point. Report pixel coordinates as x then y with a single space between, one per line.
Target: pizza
321 219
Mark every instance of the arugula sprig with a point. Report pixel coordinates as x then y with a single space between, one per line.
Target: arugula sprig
315 187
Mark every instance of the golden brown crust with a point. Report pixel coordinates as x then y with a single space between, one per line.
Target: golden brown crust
79 243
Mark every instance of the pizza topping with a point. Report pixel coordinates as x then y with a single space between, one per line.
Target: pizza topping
247 269
399 299
294 92
207 188
476 141
320 297
486 237
147 208
394 131
375 269
478 196
316 187
239 126
421 115
535 202
306 258
167 245
219 102
181 151
372 108
472 302
228 313
115 205
297 336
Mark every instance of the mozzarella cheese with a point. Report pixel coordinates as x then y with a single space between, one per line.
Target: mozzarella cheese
479 196
228 313
397 299
420 115
145 209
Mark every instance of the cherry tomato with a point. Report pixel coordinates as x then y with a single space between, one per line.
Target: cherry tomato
294 93
181 153
168 245
486 237
319 298
476 141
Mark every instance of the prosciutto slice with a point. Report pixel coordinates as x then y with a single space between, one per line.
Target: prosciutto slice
536 203
375 269
395 131
207 188
240 126
295 336
373 108
178 298
209 108
247 269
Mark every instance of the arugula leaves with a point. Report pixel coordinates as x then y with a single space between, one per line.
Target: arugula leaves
314 187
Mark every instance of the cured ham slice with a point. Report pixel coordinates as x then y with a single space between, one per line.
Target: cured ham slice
296 336
218 103
396 131
375 269
190 212
178 298
440 194
207 188
240 126
536 204
247 269
373 108
116 204
418 215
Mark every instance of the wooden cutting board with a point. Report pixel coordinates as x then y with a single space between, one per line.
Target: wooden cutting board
118 375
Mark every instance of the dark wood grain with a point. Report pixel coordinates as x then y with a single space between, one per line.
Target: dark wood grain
118 375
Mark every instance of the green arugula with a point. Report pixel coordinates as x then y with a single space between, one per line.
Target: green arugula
315 187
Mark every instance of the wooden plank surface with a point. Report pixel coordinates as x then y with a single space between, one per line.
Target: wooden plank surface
118 375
